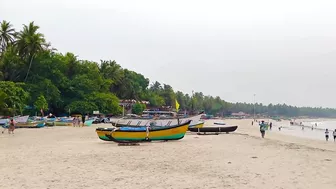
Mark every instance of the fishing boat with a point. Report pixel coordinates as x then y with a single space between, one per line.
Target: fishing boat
200 124
25 122
30 125
219 123
157 122
214 129
88 122
142 134
4 123
60 123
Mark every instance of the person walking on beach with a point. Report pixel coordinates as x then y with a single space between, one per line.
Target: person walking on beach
262 128
74 120
271 125
334 134
11 127
326 134
78 121
83 120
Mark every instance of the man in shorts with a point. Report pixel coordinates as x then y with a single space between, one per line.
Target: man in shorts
262 128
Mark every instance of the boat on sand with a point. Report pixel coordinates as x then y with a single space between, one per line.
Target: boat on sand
142 134
214 129
30 125
200 124
154 122
219 123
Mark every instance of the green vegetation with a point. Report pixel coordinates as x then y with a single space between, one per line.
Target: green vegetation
138 108
41 103
34 76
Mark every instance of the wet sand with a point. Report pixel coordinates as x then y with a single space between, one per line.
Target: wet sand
69 158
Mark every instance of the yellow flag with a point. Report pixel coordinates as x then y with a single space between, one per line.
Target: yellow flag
177 105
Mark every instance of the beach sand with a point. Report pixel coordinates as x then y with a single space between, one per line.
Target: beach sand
70 158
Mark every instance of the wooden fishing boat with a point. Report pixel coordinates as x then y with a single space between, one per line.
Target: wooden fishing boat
88 122
200 124
29 125
219 123
214 129
4 123
141 134
158 122
62 123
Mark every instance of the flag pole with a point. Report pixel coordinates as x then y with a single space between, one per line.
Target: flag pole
177 106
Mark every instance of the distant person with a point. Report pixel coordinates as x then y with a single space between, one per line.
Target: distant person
334 134
315 124
11 127
262 128
78 121
83 120
252 123
74 120
280 128
327 134
271 124
302 127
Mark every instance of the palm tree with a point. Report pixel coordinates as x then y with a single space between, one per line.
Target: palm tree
112 70
7 34
49 48
29 42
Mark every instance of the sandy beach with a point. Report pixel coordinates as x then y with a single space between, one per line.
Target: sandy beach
70 158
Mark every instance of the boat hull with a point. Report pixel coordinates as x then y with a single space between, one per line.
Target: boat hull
88 122
162 133
159 122
29 125
198 125
214 129
61 123
218 123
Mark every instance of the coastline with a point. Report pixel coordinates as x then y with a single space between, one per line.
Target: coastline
68 157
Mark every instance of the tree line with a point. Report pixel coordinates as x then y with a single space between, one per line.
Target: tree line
35 77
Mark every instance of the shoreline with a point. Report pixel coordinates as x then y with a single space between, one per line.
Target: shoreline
74 157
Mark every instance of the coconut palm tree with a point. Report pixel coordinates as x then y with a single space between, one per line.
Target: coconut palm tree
29 42
7 34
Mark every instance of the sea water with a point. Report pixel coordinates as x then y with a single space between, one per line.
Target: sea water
318 131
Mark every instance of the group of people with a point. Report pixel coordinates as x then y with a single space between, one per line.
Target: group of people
76 121
327 134
263 128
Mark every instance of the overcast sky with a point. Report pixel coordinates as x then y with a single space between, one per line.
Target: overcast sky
282 51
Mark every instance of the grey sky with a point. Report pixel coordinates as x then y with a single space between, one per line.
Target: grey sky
284 51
